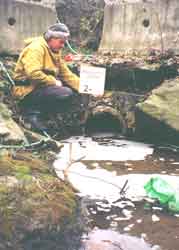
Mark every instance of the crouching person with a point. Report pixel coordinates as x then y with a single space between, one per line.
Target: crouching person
44 83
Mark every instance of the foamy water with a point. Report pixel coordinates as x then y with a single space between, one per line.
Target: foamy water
115 150
102 184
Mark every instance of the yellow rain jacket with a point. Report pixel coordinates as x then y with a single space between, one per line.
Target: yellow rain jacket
39 66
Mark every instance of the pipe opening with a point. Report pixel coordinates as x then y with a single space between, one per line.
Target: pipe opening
146 23
104 123
11 21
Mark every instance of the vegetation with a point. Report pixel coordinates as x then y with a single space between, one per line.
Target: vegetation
32 198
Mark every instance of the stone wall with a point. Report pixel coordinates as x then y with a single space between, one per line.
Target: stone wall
22 19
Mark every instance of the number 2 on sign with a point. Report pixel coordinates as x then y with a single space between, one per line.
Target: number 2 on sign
86 88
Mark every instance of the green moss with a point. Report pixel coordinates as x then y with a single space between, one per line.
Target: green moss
47 177
23 173
5 112
33 196
109 167
24 170
23 177
3 189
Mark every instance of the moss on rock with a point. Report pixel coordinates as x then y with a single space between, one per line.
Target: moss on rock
31 199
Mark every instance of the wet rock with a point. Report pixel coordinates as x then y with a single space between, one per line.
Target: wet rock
37 209
160 112
10 132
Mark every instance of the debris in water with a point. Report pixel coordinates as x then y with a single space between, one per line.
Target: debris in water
155 218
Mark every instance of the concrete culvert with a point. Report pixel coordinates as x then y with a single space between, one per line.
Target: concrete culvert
106 121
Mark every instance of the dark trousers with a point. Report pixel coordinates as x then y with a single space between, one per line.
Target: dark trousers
48 99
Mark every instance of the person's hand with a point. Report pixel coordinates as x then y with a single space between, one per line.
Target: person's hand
59 83
99 95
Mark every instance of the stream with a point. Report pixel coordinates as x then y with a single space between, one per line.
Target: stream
110 175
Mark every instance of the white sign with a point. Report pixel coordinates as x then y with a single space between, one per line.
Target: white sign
111 2
92 79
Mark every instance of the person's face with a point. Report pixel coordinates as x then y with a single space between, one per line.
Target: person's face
56 44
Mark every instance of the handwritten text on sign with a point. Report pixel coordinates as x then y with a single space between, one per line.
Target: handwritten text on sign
92 80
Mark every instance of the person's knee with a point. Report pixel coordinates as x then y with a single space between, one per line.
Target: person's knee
63 93
67 91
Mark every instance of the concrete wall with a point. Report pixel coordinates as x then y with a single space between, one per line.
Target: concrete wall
44 3
20 20
137 25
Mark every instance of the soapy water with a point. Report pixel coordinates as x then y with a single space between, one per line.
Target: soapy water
104 149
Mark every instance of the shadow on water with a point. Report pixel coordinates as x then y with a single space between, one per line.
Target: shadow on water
110 240
102 123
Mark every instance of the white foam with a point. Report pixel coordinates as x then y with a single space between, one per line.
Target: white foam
102 184
118 150
99 183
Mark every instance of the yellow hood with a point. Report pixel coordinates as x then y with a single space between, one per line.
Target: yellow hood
29 40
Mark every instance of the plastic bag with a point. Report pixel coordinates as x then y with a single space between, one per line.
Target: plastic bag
159 189
173 205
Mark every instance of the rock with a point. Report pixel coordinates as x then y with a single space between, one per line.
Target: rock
37 210
158 115
10 132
